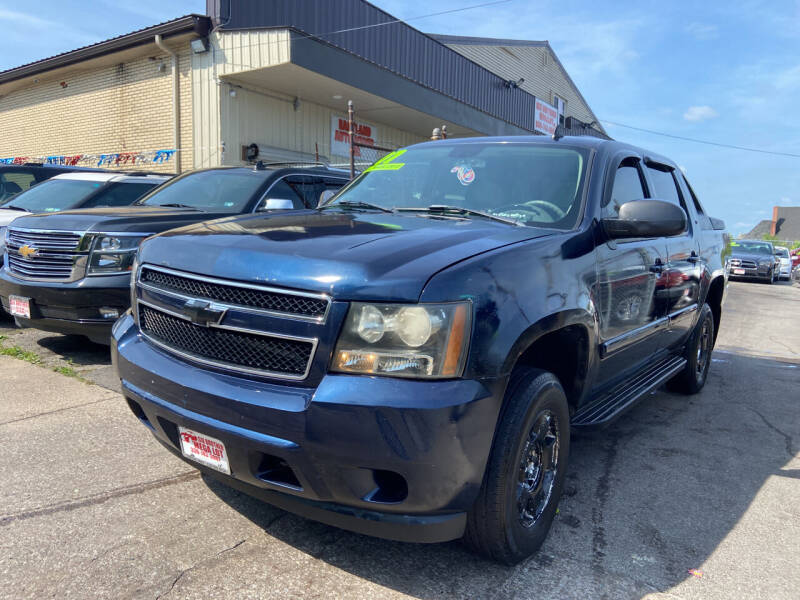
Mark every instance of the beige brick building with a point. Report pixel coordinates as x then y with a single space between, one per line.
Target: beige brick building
267 81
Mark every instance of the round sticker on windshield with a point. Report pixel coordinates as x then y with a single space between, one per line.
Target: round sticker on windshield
466 175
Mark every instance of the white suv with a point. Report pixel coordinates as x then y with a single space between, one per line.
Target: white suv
80 190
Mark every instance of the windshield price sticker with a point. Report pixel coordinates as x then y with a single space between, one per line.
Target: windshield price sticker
204 449
387 163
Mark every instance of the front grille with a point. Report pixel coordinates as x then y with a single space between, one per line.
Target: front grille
263 299
743 264
224 347
53 258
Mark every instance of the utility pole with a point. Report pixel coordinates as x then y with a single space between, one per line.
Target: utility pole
351 127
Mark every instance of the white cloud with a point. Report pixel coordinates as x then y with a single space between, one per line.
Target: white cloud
787 79
702 31
699 113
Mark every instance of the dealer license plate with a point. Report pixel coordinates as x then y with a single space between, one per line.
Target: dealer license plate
19 306
204 449
738 271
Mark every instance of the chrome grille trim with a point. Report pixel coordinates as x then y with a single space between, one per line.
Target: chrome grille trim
226 365
321 319
59 259
744 264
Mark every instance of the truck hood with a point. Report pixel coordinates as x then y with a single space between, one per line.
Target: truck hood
130 219
350 255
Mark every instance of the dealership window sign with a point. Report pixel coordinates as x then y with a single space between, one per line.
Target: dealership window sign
546 118
340 136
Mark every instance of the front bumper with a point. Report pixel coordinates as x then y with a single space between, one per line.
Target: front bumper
72 308
397 459
760 274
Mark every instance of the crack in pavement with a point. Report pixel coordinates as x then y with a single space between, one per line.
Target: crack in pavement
786 437
58 410
602 492
197 564
137 488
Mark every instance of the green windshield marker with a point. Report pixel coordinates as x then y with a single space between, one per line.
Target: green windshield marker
386 164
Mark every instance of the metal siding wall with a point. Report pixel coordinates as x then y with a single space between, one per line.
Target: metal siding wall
396 47
230 53
540 80
205 111
254 117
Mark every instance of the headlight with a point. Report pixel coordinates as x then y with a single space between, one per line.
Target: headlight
765 262
421 340
3 240
113 254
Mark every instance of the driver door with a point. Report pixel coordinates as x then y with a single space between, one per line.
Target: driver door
630 276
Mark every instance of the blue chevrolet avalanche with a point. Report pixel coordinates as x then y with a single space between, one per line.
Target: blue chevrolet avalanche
408 359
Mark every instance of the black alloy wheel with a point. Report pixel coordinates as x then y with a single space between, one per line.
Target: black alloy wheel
698 356
525 472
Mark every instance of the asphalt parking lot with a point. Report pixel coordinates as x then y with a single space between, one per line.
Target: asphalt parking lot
92 506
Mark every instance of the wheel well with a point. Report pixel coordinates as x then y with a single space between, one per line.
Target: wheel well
714 300
564 353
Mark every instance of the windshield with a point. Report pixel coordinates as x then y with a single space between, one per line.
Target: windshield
753 247
54 195
782 252
533 184
221 190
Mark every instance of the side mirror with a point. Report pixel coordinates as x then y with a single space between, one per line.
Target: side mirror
646 218
325 196
277 204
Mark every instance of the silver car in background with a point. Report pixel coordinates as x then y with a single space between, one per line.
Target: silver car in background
782 253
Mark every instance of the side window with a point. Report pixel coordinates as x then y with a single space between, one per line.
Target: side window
663 184
12 183
331 185
118 194
666 187
288 188
628 186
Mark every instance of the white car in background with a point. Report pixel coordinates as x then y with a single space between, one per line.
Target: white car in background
782 253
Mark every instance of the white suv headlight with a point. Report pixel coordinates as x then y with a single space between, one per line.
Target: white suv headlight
426 341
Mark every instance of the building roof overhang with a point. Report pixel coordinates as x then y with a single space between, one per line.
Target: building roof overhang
189 26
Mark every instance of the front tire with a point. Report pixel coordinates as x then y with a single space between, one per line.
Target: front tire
698 356
526 470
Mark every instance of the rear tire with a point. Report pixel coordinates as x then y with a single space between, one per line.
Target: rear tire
526 470
698 356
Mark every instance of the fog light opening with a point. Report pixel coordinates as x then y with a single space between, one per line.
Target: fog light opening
392 488
275 470
137 410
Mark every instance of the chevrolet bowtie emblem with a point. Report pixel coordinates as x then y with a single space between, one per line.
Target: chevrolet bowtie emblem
204 313
28 252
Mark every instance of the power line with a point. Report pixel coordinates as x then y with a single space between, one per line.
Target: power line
696 141
436 14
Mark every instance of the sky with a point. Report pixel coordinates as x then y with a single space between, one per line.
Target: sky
725 72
